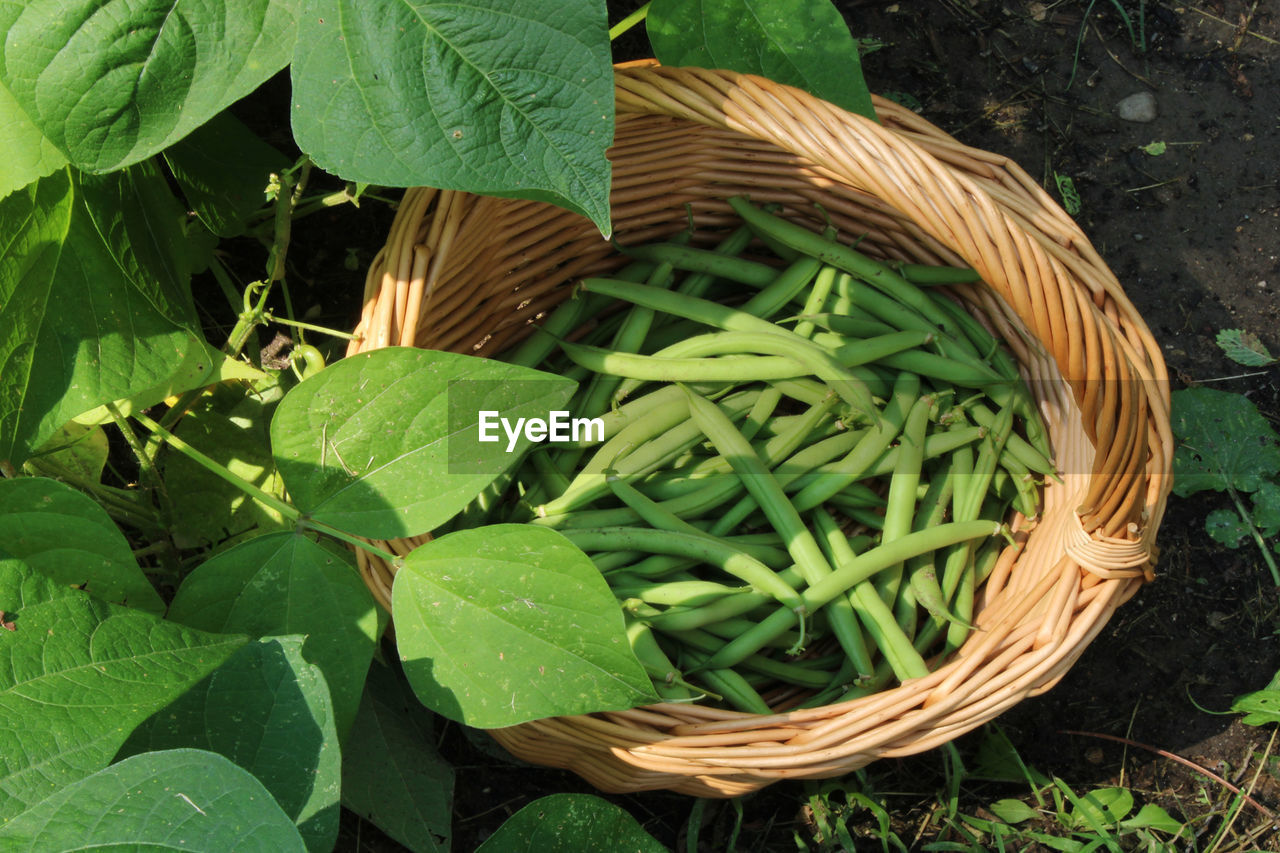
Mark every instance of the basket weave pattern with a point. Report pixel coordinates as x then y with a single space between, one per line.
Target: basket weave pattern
467 273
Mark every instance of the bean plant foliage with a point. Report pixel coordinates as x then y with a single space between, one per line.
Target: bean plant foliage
190 655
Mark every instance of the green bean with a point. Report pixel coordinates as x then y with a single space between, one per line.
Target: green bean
841 256
847 575
727 629
730 685
651 368
735 243
884 348
713 613
667 680
867 602
760 483
922 570
637 450
658 517
850 469
900 503
930 276
609 561
564 319
690 259
773 453
1018 447
780 670
822 285
855 326
785 286
650 566
589 481
687 593
711 551
594 400
821 362
935 445
763 409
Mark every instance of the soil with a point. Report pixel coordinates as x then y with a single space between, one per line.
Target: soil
1193 233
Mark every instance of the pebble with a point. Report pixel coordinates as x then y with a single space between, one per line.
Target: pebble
1138 107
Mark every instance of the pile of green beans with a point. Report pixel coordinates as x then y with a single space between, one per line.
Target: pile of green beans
809 456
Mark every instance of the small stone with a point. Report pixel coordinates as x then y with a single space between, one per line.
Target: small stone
1138 107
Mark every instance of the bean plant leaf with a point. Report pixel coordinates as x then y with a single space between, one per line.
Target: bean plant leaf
284 583
267 710
177 799
1266 508
1261 706
802 43
1244 348
392 775
385 443
1225 526
1013 811
1225 443
223 169
1101 807
203 365
67 536
571 823
110 84
94 299
501 97
28 153
508 623
77 675
1152 816
76 452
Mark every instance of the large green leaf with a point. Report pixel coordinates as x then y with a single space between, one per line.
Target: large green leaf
111 83
223 169
503 624
571 823
502 97
28 155
392 774
77 675
385 443
66 535
284 583
803 43
267 710
180 799
94 299
1225 443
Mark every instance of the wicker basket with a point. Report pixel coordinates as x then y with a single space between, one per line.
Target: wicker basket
467 273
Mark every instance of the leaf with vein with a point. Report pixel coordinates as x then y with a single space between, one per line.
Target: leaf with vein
508 623
111 83
500 97
179 799
77 675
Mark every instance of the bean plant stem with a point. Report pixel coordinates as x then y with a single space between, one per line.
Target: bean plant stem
265 498
151 476
298 324
629 21
1257 537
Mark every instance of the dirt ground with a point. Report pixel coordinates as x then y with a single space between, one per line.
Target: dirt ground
1193 234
